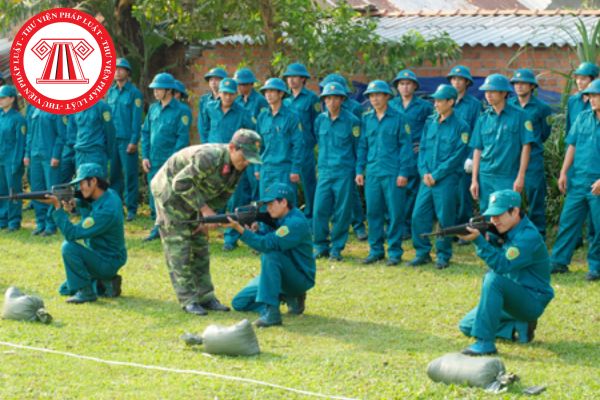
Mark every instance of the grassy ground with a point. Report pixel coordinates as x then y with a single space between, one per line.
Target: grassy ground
368 332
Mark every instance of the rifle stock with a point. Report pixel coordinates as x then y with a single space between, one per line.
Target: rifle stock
245 215
478 223
64 192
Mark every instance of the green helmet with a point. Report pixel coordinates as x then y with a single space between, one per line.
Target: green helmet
405 74
335 78
593 88
123 63
334 89
215 73
378 86
445 92
8 91
296 69
180 87
244 76
275 84
249 142
524 75
462 72
228 85
587 69
496 82
163 80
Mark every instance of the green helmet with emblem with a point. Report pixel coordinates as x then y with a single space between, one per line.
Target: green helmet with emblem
275 84
123 63
445 92
228 85
525 75
378 86
462 72
163 80
216 72
250 143
496 82
405 74
335 78
244 76
296 69
587 69
334 89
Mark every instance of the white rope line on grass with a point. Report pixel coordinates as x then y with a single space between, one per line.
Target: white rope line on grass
175 370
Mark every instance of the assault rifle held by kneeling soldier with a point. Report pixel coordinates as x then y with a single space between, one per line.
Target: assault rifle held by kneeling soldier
245 215
64 192
478 223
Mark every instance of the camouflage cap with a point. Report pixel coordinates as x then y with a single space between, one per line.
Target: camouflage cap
279 191
88 170
249 141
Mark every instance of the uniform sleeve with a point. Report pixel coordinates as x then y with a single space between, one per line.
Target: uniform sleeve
425 113
405 155
423 151
297 143
286 237
526 129
315 110
571 138
546 123
60 124
94 224
203 120
183 131
109 130
568 114
510 257
146 136
475 141
356 135
136 117
21 137
362 149
458 154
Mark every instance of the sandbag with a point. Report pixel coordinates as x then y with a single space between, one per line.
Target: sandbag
22 307
457 368
237 340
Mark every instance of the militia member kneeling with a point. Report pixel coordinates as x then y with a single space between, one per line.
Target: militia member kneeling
91 268
287 265
518 283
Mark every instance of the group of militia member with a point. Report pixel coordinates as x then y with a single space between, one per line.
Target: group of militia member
165 131
13 130
214 78
287 266
197 180
126 103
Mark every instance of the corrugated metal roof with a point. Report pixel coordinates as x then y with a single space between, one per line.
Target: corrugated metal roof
477 27
4 54
489 30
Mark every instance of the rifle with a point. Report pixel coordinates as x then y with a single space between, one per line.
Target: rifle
63 192
245 215
478 223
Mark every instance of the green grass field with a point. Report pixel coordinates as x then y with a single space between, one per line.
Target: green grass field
368 331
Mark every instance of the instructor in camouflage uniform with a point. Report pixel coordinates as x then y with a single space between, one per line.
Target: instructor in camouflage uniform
198 180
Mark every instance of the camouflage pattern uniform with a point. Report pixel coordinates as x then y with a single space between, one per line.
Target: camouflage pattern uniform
191 178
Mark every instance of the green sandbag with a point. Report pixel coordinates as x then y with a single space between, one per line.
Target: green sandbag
457 368
236 340
22 307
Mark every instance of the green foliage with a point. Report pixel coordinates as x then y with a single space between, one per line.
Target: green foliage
588 43
368 332
554 152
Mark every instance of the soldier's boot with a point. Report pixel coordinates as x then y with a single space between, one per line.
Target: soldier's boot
214 305
83 295
480 348
270 316
64 290
296 304
154 235
111 287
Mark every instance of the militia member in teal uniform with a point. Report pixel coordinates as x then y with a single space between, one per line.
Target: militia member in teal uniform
126 103
467 108
539 113
358 213
501 141
95 138
287 267
197 180
307 106
338 131
385 157
443 147
101 230
165 131
13 130
44 144
283 141
582 188
415 112
67 158
224 118
213 77
518 283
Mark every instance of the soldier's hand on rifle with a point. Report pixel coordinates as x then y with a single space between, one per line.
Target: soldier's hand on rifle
146 165
54 162
52 200
295 178
471 236
131 148
68 206
360 180
234 225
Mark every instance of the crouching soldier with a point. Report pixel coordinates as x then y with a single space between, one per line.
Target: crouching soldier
100 228
287 265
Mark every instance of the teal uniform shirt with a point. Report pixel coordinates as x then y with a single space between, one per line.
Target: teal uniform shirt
95 129
205 100
126 105
165 131
283 140
46 135
254 104
585 137
575 106
443 146
384 148
13 131
415 115
221 127
500 139
307 107
101 226
468 109
353 106
338 143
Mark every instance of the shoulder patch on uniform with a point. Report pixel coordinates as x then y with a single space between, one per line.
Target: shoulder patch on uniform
65 120
106 115
407 128
88 223
282 231
138 102
512 253
317 107
528 125
356 131
549 119
464 137
254 120
185 120
23 129
300 127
